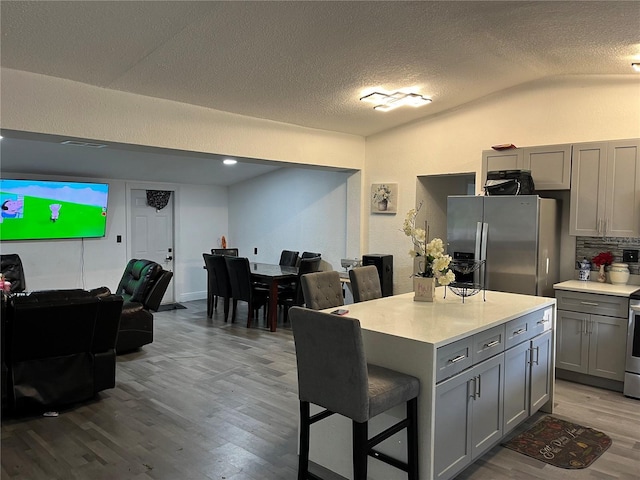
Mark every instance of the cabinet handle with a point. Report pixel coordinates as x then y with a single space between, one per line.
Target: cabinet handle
519 332
491 344
544 320
590 326
537 360
473 394
584 327
457 359
479 388
592 304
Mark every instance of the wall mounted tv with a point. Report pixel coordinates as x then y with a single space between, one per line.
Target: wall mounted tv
45 210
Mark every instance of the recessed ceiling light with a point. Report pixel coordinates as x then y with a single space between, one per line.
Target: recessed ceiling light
229 161
636 66
384 101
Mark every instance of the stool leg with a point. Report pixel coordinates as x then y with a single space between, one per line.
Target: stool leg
360 452
303 459
412 438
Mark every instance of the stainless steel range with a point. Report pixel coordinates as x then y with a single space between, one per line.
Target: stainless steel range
632 369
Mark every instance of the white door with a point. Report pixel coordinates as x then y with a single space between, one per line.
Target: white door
152 234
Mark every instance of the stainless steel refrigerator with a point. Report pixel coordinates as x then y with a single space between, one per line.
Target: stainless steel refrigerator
517 236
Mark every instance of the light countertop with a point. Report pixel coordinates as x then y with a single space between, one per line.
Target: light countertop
597 287
446 319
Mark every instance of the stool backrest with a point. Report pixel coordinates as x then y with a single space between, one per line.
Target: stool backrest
332 367
365 283
322 290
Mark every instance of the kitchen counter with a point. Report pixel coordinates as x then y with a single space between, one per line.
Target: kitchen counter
597 287
446 319
417 338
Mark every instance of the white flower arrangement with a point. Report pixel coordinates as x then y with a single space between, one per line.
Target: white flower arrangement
436 263
382 193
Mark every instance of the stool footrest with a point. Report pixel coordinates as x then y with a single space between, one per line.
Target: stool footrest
382 436
394 462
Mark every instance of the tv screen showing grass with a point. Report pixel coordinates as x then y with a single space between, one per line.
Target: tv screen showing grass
39 209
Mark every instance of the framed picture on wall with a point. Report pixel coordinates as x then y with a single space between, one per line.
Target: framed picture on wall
384 197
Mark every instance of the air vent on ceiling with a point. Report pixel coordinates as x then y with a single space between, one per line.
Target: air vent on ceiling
75 143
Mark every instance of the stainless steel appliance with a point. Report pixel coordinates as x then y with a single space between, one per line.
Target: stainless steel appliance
517 236
632 366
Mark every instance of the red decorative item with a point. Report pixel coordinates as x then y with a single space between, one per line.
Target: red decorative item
603 258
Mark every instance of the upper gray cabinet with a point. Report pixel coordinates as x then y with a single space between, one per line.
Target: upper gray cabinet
550 165
605 189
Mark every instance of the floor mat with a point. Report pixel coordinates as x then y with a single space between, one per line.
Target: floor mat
561 443
170 306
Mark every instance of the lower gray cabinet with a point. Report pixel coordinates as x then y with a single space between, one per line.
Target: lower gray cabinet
527 379
469 416
591 344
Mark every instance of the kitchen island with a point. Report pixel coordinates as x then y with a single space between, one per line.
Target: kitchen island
484 367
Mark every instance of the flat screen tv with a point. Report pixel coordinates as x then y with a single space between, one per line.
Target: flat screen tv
45 210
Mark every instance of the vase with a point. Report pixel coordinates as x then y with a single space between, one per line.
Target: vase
602 276
382 206
619 273
424 289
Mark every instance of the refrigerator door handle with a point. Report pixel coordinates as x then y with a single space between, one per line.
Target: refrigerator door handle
478 240
483 242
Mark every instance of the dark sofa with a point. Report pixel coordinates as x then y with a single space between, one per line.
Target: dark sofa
58 347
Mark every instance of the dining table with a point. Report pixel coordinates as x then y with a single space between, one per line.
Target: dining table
272 275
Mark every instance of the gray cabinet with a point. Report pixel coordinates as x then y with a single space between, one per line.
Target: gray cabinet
550 165
605 189
592 343
507 376
468 419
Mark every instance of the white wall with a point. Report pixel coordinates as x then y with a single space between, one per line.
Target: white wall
42 104
560 110
292 209
200 218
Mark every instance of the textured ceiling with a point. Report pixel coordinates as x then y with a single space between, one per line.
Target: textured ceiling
307 63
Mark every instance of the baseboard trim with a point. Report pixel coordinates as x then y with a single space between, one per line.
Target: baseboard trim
599 382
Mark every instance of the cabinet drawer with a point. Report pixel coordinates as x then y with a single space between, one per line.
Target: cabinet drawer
528 326
488 343
454 358
593 303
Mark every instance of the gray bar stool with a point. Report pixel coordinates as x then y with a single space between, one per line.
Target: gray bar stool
333 374
365 283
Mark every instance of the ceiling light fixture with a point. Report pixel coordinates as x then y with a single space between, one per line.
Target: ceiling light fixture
229 161
636 66
389 101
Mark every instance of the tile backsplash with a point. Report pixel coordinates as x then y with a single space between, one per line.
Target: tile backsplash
589 247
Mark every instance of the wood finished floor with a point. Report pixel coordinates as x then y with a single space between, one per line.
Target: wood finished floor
211 401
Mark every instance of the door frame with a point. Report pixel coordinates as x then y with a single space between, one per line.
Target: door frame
174 188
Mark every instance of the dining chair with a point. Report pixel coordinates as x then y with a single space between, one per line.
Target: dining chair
288 258
333 373
365 283
310 255
218 283
232 252
291 294
322 290
243 289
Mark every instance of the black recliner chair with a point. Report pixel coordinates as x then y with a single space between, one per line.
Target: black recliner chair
11 268
58 347
142 287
